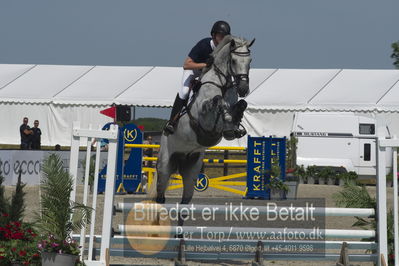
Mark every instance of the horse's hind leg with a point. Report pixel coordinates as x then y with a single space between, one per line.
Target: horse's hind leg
189 171
165 167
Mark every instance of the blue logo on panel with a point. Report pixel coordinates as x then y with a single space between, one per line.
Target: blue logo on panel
202 182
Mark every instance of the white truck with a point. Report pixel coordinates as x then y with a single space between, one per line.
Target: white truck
338 140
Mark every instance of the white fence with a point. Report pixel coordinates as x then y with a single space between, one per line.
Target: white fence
383 144
380 214
88 135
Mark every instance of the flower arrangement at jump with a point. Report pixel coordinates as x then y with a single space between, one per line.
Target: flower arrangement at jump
47 241
59 216
52 249
18 244
18 240
53 245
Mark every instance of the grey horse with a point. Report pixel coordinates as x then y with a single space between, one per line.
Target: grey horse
214 112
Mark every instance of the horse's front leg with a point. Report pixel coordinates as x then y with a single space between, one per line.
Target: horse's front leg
219 109
237 113
229 126
216 107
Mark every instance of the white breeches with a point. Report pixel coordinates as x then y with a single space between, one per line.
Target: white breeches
188 76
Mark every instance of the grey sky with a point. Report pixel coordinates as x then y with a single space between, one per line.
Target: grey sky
289 34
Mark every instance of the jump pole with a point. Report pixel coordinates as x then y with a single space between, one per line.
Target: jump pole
155 146
262 210
202 231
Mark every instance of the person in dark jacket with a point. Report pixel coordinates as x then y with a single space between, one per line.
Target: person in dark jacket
26 133
36 136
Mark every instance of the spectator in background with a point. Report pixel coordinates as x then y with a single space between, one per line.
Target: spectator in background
26 134
148 152
57 147
36 136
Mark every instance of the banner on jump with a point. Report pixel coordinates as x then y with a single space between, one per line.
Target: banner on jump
128 172
262 152
30 162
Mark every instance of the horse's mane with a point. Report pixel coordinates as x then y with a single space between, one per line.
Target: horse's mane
216 52
221 45
225 41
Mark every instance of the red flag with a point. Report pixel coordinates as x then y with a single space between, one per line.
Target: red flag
111 112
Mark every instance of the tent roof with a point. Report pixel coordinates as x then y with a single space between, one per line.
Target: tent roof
41 83
327 89
157 88
101 85
271 89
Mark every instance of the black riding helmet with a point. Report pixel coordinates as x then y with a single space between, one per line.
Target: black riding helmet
221 27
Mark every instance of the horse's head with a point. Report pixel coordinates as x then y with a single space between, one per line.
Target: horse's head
232 58
240 63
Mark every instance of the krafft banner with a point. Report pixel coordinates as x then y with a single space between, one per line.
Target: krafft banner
261 153
30 162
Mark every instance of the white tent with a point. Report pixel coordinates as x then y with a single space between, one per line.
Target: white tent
273 103
57 95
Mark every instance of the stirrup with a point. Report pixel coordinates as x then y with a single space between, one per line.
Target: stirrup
240 132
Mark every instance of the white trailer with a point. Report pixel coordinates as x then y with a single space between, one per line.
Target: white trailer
338 140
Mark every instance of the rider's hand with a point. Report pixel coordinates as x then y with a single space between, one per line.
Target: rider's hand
210 61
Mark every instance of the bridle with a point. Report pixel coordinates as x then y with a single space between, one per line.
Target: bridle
239 77
231 79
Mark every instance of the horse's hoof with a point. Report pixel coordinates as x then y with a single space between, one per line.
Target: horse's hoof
160 200
241 105
229 135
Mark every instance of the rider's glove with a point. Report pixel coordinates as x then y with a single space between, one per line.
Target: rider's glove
209 62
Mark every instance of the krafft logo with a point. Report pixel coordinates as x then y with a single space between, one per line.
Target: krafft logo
130 135
202 182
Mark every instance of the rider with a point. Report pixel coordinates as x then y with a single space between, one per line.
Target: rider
197 59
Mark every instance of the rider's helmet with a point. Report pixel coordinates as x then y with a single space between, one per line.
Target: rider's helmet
221 27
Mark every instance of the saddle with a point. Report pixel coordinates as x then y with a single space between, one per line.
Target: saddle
195 86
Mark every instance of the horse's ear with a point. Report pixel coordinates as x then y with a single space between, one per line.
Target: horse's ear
252 42
232 43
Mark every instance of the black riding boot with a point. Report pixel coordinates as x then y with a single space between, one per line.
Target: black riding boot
176 109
